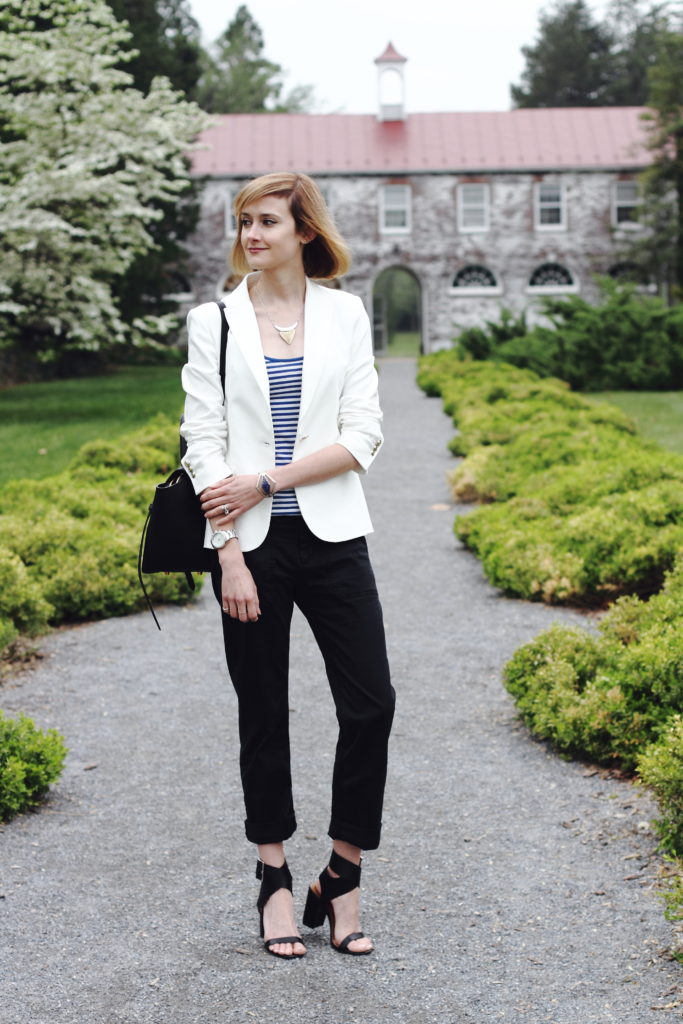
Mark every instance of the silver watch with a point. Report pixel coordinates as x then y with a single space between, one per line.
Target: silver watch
221 537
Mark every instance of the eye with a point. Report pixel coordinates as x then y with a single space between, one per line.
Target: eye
268 221
245 222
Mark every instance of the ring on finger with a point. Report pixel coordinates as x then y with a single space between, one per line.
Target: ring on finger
225 510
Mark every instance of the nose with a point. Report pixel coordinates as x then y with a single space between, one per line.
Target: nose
252 231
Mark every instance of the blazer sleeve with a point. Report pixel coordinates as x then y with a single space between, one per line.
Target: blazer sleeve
205 427
360 416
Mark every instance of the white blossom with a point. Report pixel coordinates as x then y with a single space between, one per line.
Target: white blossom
82 156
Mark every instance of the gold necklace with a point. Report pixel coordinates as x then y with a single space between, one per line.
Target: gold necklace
286 333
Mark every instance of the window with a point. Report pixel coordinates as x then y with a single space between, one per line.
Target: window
230 222
474 276
552 277
473 207
624 202
395 208
550 212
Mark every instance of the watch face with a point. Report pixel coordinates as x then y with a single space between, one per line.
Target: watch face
219 539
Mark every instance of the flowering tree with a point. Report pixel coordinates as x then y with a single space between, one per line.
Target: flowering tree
83 156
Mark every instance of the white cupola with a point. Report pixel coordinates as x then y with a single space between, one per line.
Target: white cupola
391 85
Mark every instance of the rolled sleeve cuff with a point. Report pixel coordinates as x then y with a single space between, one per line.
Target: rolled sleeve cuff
208 474
363 448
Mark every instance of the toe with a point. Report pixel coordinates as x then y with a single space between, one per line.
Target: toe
363 945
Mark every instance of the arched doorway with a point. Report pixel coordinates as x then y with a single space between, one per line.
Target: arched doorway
397 312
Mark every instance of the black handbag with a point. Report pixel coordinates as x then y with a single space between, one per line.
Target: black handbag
173 535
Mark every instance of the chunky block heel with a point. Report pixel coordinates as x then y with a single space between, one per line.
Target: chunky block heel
314 911
319 902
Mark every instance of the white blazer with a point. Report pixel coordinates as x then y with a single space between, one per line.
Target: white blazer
339 404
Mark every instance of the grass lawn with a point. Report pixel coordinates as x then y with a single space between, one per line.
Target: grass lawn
404 343
657 414
43 425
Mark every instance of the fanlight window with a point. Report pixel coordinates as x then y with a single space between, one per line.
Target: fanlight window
549 274
474 276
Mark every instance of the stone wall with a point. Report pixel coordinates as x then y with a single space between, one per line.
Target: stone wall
435 249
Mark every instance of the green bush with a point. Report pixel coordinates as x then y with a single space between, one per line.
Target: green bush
30 760
660 766
628 341
577 508
606 695
23 606
75 557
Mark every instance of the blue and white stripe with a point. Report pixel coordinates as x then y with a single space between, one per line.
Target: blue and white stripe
284 378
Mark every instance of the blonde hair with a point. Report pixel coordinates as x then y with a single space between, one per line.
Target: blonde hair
327 255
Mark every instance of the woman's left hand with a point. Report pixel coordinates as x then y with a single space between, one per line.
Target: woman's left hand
236 493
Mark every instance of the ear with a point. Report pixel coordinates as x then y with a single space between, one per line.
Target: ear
307 236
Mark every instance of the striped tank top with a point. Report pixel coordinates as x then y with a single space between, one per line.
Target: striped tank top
284 378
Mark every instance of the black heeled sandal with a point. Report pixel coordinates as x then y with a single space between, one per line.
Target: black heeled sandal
271 880
319 904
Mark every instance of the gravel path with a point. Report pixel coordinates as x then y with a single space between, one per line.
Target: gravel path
511 885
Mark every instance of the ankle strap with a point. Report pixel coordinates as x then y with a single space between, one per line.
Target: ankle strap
272 879
346 869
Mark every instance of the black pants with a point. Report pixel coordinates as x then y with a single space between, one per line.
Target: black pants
334 586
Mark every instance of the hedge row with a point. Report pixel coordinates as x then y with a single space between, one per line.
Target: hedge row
582 510
70 541
628 341
577 508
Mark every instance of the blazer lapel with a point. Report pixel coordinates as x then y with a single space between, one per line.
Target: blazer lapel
314 345
244 333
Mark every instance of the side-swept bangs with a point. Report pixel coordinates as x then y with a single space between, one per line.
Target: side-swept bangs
327 255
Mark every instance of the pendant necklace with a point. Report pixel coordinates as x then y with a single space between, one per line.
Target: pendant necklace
286 333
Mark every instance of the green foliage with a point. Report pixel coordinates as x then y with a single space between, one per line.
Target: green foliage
628 341
75 557
238 79
660 766
659 247
578 509
23 606
611 695
165 40
482 342
568 66
86 160
30 760
580 61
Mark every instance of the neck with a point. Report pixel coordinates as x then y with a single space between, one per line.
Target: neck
282 285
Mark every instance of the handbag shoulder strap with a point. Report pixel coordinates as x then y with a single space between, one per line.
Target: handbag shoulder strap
224 342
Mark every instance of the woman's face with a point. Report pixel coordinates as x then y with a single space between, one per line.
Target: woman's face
269 235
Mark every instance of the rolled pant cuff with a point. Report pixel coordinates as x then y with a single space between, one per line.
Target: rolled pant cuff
364 838
270 831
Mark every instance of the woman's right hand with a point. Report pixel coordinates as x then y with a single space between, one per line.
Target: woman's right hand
239 597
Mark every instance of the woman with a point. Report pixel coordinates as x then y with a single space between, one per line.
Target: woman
278 468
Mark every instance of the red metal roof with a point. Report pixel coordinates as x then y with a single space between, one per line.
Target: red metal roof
243 145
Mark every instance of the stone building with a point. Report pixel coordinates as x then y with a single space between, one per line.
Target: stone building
485 210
